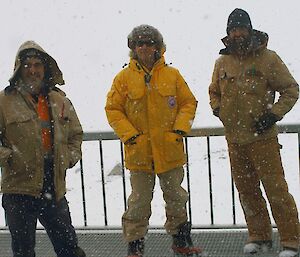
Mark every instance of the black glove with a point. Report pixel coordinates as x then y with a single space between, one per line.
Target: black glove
179 132
265 122
216 112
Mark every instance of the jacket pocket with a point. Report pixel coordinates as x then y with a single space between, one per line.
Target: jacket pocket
167 89
64 157
62 129
136 92
5 155
167 104
255 83
227 83
18 118
20 128
173 147
136 106
137 154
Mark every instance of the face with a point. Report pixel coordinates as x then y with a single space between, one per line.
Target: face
32 73
239 35
145 50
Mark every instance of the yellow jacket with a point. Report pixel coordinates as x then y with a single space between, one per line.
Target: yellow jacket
153 112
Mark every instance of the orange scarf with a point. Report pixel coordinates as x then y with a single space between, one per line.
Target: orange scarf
44 116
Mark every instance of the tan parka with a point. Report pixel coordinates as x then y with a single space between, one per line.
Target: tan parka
21 153
244 89
153 112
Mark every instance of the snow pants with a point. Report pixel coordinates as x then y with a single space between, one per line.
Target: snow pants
260 162
135 220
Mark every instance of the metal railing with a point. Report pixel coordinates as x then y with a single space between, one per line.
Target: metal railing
207 133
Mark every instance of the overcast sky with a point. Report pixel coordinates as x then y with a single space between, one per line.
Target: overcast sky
89 41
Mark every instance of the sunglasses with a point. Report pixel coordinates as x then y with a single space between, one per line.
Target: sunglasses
145 42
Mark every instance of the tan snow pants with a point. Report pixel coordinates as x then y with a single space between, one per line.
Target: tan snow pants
261 162
135 220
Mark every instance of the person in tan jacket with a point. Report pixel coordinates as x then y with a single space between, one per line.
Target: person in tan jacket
242 94
41 138
151 108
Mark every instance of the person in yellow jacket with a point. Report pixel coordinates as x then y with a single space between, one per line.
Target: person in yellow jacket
242 94
41 138
150 107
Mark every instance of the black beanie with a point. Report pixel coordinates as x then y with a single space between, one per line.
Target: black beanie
238 18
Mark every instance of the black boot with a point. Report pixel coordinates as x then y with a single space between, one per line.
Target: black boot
182 242
76 252
136 248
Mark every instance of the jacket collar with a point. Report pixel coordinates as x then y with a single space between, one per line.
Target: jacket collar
135 65
259 40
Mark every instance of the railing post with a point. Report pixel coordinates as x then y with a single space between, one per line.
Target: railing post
233 202
299 155
123 177
83 194
210 182
103 182
188 180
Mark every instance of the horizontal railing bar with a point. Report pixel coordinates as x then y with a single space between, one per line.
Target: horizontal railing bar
196 132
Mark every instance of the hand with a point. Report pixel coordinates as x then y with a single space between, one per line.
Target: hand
265 122
179 132
216 112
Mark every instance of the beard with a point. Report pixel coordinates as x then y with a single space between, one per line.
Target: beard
241 45
33 87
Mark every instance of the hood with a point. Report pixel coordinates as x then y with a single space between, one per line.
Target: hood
56 74
259 40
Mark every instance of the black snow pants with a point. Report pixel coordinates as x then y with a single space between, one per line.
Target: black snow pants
22 212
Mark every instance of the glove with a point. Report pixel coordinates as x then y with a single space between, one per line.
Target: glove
179 132
265 122
216 112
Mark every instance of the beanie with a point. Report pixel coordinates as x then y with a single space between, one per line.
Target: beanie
238 18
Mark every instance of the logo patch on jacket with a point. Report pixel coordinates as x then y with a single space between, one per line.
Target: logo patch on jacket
172 101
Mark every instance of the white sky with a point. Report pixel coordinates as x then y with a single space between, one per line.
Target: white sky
89 41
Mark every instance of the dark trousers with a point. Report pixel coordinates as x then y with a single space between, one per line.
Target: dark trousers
22 212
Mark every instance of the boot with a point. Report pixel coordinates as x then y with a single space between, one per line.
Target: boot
182 242
136 248
76 252
254 247
289 252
